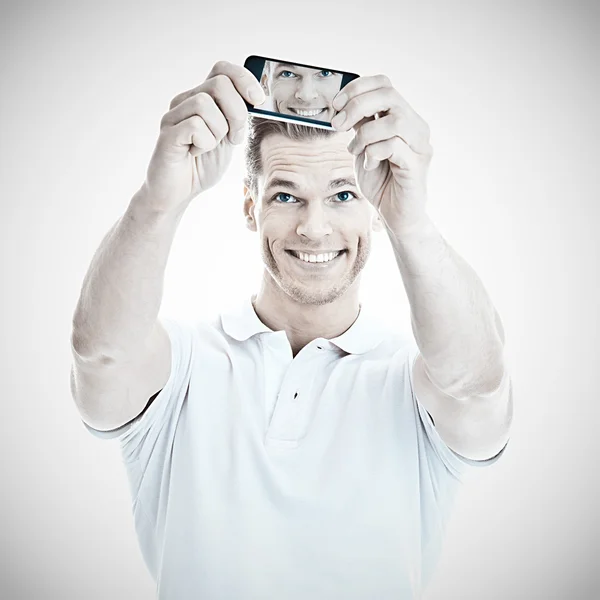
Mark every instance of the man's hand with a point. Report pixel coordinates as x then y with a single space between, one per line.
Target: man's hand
392 149
197 135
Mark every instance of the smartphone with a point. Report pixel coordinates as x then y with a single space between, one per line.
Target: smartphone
296 92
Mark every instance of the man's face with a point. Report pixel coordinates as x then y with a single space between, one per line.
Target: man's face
308 208
301 91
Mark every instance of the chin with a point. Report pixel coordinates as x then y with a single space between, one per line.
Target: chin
311 296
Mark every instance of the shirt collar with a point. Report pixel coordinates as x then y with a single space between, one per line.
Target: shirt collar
241 322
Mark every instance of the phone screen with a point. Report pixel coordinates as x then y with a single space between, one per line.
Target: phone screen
296 92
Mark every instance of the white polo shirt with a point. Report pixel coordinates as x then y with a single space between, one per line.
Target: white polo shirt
255 475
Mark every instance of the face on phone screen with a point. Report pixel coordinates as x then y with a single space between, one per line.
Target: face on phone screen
300 91
297 92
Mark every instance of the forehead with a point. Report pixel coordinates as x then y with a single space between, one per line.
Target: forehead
307 162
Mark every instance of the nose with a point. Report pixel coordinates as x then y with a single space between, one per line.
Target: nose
306 90
314 223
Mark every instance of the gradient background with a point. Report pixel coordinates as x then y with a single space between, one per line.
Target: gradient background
508 90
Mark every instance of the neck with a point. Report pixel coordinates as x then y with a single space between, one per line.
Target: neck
305 322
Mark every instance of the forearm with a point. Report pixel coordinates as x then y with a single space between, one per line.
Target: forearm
122 290
455 324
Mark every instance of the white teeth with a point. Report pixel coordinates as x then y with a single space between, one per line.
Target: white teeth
309 113
316 257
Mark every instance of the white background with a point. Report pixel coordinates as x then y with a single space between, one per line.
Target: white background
509 91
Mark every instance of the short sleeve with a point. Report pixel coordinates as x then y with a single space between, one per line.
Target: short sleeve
164 410
458 465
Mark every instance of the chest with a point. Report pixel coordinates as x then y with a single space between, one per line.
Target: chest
323 427
307 461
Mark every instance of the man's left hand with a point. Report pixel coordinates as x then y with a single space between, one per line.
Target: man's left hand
392 149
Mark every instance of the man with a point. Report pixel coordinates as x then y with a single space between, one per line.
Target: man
299 91
294 448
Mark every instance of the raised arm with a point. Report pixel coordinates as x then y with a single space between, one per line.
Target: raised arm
121 353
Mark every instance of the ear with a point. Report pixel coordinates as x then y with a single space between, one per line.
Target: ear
249 207
263 83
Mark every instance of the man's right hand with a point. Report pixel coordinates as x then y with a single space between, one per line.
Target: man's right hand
197 136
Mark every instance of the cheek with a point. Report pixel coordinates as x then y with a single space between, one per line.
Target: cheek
276 231
329 88
283 90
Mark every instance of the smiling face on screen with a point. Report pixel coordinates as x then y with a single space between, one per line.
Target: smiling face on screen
301 91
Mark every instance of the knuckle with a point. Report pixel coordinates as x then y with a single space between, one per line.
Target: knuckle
201 99
196 122
353 107
221 65
164 122
221 132
176 100
384 80
220 81
426 129
392 96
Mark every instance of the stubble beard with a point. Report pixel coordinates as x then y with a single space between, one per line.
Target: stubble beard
302 293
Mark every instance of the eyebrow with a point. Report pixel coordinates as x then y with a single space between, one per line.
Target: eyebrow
334 183
278 65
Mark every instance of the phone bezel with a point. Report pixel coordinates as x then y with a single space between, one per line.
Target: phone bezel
255 64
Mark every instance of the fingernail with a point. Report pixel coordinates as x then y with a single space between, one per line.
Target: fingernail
339 101
338 120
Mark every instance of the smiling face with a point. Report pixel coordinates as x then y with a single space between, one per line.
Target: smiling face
301 91
314 226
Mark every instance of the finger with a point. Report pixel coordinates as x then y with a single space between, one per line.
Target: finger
409 130
359 86
381 100
244 81
222 89
224 93
220 95
204 106
393 149
192 134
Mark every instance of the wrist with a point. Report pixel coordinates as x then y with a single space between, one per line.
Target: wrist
147 208
419 227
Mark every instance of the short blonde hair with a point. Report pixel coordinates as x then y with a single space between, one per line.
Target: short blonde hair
259 129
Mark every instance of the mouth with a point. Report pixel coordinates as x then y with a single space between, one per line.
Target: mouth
322 259
308 113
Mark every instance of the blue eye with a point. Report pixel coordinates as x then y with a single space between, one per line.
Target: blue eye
284 198
287 74
346 198
326 73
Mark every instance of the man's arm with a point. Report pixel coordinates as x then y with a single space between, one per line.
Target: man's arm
460 375
455 324
121 353
122 290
